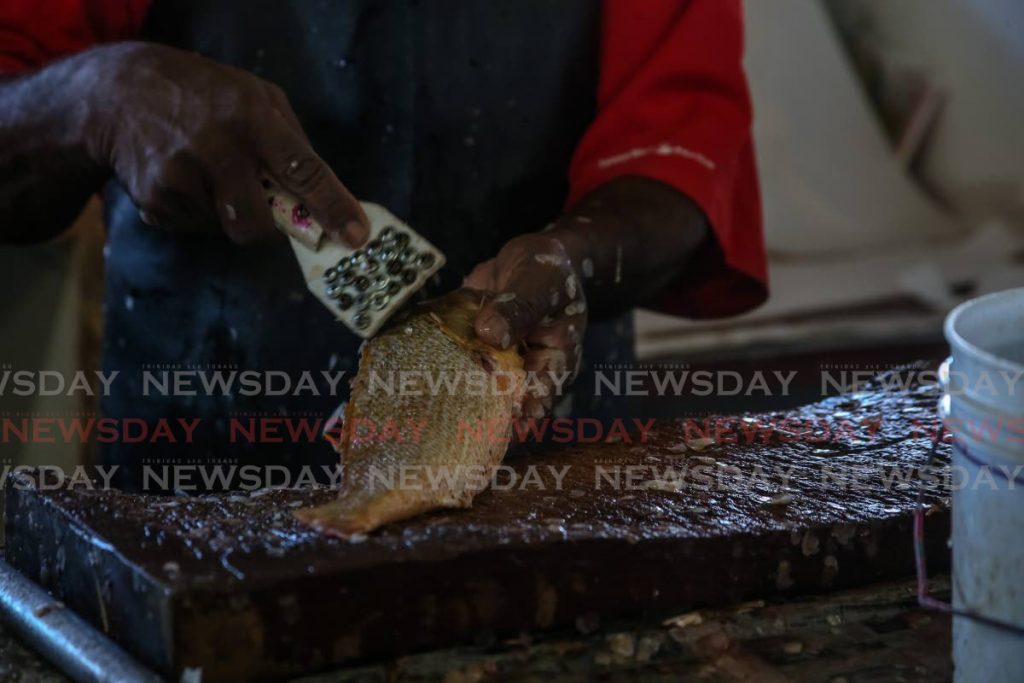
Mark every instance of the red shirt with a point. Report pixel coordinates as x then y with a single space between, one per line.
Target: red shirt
673 105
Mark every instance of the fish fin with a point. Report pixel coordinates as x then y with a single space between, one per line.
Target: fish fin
360 514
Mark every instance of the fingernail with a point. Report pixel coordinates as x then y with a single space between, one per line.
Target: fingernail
497 328
356 232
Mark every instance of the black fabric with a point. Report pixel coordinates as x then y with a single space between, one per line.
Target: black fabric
460 117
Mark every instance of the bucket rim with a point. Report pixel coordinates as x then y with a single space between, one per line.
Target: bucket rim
957 341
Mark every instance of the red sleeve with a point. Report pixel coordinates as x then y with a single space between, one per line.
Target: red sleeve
673 105
34 32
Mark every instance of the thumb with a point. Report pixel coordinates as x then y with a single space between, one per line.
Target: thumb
508 316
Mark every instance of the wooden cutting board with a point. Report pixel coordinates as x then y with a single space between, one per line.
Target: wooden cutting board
233 585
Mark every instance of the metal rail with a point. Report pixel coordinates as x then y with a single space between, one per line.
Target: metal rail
62 637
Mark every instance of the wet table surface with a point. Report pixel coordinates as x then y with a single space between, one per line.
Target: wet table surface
814 499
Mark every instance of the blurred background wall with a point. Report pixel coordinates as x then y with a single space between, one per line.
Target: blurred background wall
891 159
972 51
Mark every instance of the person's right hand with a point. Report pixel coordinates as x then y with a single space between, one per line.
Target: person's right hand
191 140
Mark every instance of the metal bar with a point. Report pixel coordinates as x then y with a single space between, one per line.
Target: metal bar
63 638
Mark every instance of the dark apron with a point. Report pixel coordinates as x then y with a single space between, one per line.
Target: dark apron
459 117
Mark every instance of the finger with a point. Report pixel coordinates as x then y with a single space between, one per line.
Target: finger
553 358
507 317
533 287
540 394
242 207
279 100
564 335
149 218
532 408
186 212
482 277
187 204
297 168
173 195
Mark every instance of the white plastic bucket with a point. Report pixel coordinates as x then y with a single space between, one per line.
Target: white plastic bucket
983 408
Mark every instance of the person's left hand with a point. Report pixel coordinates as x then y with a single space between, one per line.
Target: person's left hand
534 297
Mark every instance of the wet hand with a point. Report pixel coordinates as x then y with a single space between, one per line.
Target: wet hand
534 298
191 140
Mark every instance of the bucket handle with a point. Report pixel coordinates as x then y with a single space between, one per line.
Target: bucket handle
923 598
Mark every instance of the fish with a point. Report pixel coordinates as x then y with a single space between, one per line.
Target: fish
465 423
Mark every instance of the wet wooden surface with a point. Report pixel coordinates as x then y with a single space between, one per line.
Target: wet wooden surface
875 634
234 584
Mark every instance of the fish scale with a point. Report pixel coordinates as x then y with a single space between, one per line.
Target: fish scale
464 433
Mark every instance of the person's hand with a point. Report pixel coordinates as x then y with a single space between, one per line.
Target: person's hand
534 298
192 139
